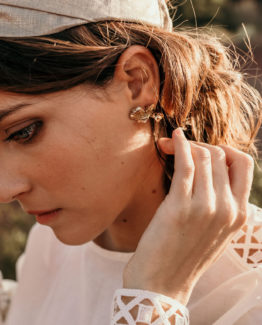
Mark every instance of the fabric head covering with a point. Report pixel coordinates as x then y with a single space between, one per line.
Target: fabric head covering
24 18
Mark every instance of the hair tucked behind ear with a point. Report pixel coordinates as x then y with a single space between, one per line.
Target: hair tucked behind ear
202 90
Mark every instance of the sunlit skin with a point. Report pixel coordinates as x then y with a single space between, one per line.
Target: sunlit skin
87 157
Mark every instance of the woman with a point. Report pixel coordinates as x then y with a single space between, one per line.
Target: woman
94 96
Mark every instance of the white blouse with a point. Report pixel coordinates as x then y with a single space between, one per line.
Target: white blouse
74 285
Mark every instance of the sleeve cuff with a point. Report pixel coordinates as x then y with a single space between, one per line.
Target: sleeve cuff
133 306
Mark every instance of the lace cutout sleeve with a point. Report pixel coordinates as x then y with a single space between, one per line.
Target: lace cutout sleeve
140 307
247 243
7 291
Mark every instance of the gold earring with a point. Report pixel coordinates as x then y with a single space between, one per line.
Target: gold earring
142 115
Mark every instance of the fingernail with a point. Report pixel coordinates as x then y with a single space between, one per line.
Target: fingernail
179 132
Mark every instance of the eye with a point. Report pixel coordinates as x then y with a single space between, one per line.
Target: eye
26 134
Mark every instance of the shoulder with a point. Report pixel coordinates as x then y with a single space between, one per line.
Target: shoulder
247 243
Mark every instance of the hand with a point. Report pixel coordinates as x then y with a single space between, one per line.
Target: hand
206 205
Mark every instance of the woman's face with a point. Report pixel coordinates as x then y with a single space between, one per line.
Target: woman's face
76 151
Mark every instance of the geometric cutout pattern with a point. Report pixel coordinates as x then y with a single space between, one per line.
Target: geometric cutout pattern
5 301
141 307
247 243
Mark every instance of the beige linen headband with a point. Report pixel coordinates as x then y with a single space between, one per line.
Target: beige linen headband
23 18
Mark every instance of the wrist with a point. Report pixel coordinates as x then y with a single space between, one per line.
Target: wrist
179 291
147 307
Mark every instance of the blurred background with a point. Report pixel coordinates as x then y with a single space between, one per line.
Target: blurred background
239 21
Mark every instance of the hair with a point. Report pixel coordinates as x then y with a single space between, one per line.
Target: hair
202 88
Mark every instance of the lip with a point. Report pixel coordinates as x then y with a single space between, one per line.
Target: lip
44 217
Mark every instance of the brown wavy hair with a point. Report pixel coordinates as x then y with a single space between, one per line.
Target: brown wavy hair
202 88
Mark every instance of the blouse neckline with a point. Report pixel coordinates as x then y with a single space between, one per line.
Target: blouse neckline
112 255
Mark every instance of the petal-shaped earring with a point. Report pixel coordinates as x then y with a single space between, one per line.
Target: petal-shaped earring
142 115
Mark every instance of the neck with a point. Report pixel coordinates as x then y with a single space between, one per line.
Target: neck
124 234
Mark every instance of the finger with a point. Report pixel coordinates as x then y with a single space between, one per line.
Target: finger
204 169
203 191
221 182
183 167
240 171
202 164
224 200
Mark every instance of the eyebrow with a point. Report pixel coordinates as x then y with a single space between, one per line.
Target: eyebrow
12 109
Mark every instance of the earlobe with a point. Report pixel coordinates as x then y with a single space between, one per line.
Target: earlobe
138 69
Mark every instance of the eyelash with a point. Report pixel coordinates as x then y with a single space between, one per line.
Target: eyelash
26 134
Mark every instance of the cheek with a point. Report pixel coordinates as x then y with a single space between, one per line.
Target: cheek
79 166
90 185
93 177
88 168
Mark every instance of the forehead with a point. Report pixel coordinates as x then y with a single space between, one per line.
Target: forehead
6 96
9 99
10 103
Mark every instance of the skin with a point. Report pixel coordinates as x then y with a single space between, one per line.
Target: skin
101 169
111 180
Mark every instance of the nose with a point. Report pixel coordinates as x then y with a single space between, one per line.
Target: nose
12 187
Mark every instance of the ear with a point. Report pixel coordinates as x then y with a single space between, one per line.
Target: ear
138 72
